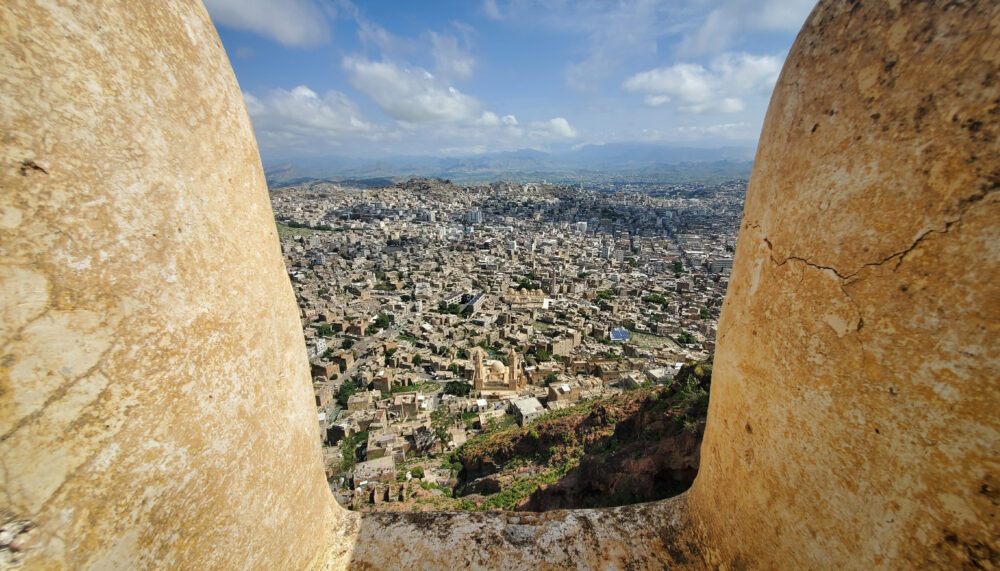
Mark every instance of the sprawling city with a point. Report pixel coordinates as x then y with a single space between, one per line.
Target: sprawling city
437 315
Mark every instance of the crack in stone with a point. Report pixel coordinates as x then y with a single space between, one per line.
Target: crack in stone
16 335
91 458
965 204
61 391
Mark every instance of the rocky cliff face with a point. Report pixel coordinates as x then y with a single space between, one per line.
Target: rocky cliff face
635 447
653 450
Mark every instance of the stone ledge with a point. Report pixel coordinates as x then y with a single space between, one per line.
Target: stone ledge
641 536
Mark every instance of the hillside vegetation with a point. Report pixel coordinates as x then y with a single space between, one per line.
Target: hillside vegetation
639 446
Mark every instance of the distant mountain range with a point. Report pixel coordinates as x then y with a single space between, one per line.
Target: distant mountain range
634 162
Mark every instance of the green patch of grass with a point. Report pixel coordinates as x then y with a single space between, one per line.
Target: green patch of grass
428 387
284 231
649 341
519 489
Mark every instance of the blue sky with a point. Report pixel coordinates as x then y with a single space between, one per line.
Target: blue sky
387 78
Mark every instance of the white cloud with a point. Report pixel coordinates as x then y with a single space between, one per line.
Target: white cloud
300 23
724 25
557 127
656 100
450 59
486 133
370 32
492 10
719 88
723 106
300 118
410 94
734 131
488 119
614 36
426 112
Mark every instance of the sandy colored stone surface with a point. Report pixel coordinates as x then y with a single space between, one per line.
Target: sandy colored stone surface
854 405
155 401
644 536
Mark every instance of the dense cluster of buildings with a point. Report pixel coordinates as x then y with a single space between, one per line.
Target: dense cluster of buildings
531 296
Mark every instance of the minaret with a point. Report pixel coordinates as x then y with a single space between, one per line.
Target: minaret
515 377
478 372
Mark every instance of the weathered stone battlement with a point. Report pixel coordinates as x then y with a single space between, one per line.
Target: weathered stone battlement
155 404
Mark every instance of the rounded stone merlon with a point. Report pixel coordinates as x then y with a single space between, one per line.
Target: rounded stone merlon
861 322
140 273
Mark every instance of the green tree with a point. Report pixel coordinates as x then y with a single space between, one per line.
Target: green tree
417 359
347 344
685 338
655 298
705 313
440 423
457 388
678 266
345 391
551 378
348 450
417 472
